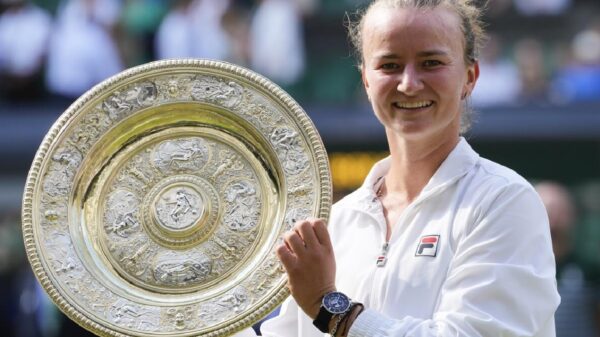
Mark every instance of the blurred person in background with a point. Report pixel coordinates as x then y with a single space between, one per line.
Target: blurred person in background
194 29
579 311
541 7
499 82
276 43
579 79
530 61
139 23
24 33
82 50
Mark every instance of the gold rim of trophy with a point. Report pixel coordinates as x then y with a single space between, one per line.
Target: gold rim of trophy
155 202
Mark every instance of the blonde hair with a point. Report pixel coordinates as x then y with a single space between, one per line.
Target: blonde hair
468 12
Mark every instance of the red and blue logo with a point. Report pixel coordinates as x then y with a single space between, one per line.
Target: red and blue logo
428 245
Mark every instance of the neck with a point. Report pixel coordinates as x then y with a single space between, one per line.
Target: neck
413 163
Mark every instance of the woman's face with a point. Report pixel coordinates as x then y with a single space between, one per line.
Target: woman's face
414 70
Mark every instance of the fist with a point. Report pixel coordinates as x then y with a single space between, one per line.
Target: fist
307 256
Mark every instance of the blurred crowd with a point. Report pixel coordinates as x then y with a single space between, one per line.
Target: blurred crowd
61 48
82 42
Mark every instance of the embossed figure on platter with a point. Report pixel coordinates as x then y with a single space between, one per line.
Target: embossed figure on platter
187 154
179 207
242 214
213 90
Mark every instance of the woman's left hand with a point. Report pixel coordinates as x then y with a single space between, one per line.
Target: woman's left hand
308 258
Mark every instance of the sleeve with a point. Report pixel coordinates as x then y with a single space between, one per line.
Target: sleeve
291 322
501 281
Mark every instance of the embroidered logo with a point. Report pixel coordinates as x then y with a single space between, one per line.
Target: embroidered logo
428 245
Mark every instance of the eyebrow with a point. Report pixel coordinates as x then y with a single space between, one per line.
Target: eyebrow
426 53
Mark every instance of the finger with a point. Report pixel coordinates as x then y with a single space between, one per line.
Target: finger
295 242
286 257
306 231
321 232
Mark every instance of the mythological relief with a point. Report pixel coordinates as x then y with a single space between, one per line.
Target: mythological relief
228 162
60 252
174 269
179 207
182 318
217 91
243 206
128 314
181 155
262 114
134 261
267 275
294 215
175 87
138 96
287 144
235 301
122 212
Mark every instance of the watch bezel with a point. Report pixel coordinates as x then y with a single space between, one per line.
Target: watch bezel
336 309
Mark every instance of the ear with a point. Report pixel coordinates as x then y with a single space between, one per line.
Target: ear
363 76
472 76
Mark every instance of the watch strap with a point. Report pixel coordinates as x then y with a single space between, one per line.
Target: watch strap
322 320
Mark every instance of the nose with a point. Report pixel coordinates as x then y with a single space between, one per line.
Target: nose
409 81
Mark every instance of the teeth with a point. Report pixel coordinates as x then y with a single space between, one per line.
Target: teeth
413 105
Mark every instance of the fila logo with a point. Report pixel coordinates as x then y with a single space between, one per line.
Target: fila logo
428 245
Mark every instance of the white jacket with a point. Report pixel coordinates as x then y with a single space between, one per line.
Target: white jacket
471 256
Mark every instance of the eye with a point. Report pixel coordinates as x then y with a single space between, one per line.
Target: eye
431 63
389 66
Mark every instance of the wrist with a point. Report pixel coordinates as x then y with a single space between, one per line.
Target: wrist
332 304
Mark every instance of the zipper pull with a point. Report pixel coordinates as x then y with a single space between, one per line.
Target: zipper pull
382 258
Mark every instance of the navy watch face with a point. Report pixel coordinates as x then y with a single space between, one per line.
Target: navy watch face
336 302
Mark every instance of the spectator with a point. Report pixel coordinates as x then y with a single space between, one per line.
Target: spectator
21 59
579 310
82 51
542 7
193 28
579 80
499 81
277 41
529 57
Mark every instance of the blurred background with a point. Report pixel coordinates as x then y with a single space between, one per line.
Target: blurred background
538 105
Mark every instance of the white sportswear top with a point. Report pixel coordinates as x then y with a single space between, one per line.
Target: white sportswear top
471 256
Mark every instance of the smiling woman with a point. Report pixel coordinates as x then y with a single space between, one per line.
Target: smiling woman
437 241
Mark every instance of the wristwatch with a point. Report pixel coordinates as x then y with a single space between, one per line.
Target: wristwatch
334 303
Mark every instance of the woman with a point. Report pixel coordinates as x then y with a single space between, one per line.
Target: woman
437 241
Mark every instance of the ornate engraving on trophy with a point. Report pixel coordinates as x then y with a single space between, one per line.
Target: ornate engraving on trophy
229 162
143 225
187 154
243 206
121 217
235 301
179 207
182 318
217 91
295 214
287 142
61 253
172 269
135 262
133 316
121 103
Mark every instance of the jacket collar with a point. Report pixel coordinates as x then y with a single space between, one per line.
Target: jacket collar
460 160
